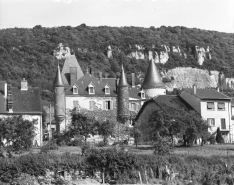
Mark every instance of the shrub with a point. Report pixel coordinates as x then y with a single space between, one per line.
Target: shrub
76 142
163 146
212 139
51 145
100 144
219 138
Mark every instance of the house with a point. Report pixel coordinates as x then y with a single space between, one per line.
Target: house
75 89
24 101
172 104
213 106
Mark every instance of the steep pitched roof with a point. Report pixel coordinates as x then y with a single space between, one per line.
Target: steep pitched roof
26 101
123 81
58 82
23 101
70 61
168 103
152 78
99 86
208 94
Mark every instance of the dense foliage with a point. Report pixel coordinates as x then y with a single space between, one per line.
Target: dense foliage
29 52
16 135
123 167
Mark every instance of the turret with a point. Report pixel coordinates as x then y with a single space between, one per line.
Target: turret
153 84
123 98
59 100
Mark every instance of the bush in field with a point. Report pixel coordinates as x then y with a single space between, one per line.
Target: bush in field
51 145
219 138
163 146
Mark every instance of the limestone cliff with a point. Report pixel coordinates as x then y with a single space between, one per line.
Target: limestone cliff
185 77
61 51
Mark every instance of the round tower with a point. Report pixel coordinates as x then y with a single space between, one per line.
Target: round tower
153 84
59 100
123 99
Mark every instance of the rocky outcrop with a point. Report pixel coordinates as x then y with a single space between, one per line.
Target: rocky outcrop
201 54
109 52
61 51
137 53
229 83
176 49
185 77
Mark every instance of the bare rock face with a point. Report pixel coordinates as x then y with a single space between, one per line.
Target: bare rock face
138 53
61 51
176 49
185 77
229 83
164 55
109 52
201 54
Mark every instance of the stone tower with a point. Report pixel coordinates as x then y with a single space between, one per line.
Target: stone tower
153 84
59 100
123 99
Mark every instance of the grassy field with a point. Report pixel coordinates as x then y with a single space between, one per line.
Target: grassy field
206 150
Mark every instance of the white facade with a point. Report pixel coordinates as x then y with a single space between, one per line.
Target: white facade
217 113
155 92
37 141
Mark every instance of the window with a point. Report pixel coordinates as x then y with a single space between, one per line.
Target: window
75 104
133 106
211 121
91 90
223 123
210 105
91 105
221 106
75 90
108 105
107 90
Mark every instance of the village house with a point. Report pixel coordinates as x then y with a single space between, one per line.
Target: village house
24 101
213 106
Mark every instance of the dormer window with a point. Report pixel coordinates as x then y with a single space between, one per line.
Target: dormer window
107 89
91 88
75 89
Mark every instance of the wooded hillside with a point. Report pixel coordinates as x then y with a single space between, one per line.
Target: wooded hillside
29 52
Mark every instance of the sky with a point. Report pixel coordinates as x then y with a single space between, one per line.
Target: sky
215 15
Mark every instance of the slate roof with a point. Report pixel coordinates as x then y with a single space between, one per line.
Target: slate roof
83 82
208 94
152 78
23 101
70 61
58 82
171 104
122 80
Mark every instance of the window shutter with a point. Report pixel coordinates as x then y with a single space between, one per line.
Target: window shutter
90 105
111 105
130 104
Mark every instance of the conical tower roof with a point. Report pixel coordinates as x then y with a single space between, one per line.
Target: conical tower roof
152 77
58 82
123 81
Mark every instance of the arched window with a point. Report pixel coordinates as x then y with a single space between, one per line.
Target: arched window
91 88
107 89
75 89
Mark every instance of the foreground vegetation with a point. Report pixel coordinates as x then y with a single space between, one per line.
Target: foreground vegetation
124 167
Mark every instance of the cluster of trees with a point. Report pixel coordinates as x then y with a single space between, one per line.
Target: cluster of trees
29 52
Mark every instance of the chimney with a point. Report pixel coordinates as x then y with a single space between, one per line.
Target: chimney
9 99
133 79
100 76
24 85
194 89
73 75
5 89
117 83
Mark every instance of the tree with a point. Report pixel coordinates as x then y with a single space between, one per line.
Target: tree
81 124
105 129
219 138
16 134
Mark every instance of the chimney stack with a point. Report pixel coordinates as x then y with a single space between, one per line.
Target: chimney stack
194 89
5 89
100 76
133 79
73 75
24 85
